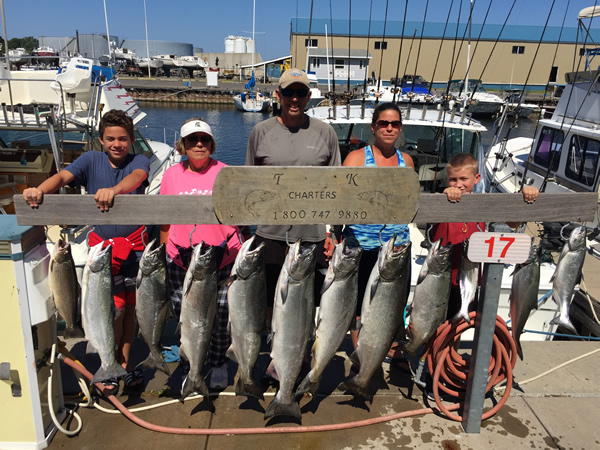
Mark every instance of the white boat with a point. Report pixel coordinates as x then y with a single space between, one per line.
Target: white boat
431 137
124 54
32 147
252 100
153 63
18 56
479 102
404 91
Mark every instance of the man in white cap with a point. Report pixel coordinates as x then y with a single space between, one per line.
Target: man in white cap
292 139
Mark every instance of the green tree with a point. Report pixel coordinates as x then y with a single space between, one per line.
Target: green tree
29 43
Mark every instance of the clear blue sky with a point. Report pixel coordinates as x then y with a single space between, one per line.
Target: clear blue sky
206 23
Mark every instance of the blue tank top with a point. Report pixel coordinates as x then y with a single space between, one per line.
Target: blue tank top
367 236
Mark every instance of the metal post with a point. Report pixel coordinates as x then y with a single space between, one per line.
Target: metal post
485 324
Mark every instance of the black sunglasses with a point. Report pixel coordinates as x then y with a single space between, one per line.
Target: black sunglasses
386 123
193 138
289 92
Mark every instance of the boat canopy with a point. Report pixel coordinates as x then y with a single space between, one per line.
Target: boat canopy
589 12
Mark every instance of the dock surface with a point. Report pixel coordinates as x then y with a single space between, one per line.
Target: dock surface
558 410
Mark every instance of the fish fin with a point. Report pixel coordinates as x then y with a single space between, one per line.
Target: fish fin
277 408
115 370
249 389
307 386
227 281
409 309
350 386
519 349
283 288
329 279
73 332
373 288
138 280
191 385
230 353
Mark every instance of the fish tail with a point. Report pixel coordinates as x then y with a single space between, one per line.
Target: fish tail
73 332
194 384
115 370
246 388
156 362
308 386
277 408
564 322
352 386
462 315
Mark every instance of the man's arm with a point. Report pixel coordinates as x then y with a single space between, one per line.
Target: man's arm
34 196
105 197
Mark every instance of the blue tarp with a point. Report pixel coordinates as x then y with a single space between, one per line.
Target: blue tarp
250 84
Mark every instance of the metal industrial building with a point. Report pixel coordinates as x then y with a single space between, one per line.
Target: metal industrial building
413 48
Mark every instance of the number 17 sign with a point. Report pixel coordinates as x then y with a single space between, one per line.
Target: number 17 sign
503 248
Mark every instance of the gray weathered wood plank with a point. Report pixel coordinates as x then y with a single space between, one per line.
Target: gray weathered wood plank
127 210
182 209
579 207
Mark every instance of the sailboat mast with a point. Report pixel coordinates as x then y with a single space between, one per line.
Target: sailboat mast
253 20
147 46
466 89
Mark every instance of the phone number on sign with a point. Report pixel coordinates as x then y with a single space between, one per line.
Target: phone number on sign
303 214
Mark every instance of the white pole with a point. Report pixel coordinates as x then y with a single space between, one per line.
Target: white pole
147 47
110 52
327 59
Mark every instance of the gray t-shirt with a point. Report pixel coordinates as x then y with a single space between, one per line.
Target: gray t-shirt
273 144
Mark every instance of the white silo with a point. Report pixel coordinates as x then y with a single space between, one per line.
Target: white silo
250 46
230 44
240 45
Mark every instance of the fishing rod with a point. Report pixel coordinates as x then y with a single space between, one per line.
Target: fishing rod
348 93
332 95
381 59
412 89
505 140
309 33
440 49
537 125
400 55
364 101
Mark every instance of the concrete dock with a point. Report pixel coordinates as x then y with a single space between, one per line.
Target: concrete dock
558 410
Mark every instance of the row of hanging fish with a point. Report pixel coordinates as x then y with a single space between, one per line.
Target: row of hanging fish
293 321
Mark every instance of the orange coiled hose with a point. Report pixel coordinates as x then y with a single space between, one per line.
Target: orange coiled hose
449 369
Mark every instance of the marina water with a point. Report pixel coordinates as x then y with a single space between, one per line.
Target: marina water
232 128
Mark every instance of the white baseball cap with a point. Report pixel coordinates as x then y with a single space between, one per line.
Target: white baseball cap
196 126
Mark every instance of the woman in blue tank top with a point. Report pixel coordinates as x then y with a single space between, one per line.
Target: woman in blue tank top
386 126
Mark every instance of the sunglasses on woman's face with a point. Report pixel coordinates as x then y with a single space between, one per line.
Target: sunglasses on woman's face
289 92
386 123
194 138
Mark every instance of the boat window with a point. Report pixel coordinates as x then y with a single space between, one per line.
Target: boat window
140 146
549 147
582 163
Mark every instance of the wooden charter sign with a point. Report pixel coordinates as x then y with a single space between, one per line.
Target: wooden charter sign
311 195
